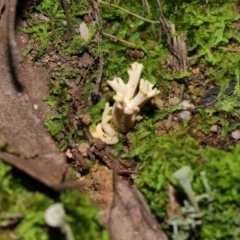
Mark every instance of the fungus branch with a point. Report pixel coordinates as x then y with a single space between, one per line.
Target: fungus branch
124 112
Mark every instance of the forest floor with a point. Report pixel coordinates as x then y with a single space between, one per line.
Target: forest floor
54 99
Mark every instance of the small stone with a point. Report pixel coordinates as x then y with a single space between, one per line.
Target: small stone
195 71
86 119
35 106
134 176
175 126
175 118
214 128
198 133
158 102
184 115
84 31
83 149
106 89
186 105
43 18
236 134
77 174
69 153
174 101
125 149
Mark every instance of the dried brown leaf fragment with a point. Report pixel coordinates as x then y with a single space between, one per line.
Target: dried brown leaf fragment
130 216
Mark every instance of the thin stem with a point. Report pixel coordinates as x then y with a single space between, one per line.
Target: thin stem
133 14
121 40
230 49
68 231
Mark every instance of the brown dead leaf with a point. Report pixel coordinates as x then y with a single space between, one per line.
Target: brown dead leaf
130 217
22 111
173 207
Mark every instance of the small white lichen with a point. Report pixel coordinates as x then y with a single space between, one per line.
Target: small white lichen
236 134
54 215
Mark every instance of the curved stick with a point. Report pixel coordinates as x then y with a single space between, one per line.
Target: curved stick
14 50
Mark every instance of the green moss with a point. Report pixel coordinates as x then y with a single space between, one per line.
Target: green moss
210 29
161 156
59 100
81 208
27 207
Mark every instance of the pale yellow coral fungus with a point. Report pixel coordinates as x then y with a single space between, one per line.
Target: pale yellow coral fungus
124 112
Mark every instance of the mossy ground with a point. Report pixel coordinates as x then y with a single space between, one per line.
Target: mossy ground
211 31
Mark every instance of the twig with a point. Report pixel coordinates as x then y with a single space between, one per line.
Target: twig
65 6
145 2
125 10
98 39
14 50
95 91
125 42
121 40
230 49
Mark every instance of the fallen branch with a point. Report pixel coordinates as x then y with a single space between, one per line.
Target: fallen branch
14 50
65 6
